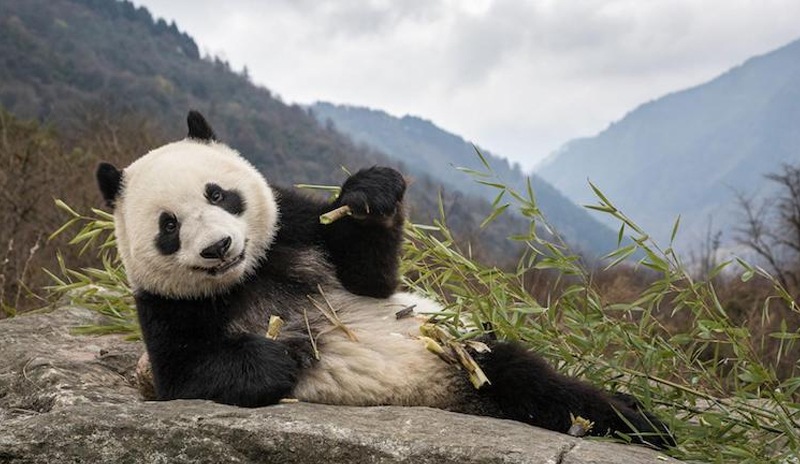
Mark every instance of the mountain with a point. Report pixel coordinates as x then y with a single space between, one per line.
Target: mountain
78 64
425 148
688 152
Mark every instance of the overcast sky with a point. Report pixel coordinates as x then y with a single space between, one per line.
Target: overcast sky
519 78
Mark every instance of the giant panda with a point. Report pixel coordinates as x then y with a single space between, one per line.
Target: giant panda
212 250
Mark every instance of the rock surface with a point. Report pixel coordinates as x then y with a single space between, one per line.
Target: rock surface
70 398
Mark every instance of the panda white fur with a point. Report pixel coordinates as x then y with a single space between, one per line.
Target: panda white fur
212 251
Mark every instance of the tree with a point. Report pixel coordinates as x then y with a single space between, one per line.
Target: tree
706 258
771 228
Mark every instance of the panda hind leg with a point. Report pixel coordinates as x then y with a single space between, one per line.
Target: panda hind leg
527 389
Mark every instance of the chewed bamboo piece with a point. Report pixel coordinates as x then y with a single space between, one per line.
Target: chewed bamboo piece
438 341
274 328
434 347
334 215
580 426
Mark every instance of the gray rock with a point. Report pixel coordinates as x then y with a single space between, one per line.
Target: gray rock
69 398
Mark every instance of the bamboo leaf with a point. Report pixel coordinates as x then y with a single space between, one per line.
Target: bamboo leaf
601 196
620 255
494 214
64 207
63 228
675 229
482 158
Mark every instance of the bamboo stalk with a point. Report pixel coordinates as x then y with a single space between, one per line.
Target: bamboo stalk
334 215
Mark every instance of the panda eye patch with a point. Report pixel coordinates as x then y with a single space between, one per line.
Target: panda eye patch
168 240
168 223
229 200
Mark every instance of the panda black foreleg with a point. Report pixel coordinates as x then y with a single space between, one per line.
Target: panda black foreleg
193 355
245 370
365 247
527 389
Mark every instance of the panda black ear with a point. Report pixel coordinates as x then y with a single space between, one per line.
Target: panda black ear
199 128
109 179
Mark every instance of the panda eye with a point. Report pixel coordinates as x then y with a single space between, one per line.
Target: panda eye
216 197
214 194
168 223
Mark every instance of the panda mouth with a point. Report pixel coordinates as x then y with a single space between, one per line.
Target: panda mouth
222 267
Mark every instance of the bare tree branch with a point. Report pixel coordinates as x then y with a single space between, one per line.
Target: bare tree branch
771 229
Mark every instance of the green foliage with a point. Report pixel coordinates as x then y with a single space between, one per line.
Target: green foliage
721 396
104 289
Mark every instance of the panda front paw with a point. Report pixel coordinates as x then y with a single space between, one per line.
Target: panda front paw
373 193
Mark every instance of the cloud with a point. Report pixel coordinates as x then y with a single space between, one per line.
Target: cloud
518 77
359 19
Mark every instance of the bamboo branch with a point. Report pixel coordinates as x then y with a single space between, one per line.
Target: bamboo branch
310 335
330 314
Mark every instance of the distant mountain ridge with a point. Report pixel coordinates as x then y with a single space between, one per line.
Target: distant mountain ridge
687 152
425 148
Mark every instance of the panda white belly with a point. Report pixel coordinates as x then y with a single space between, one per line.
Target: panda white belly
388 364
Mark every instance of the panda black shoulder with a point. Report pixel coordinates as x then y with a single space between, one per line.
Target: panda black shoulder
298 216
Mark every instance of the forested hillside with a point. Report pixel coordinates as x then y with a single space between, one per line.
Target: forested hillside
108 81
64 60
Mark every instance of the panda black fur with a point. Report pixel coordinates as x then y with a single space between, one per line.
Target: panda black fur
212 251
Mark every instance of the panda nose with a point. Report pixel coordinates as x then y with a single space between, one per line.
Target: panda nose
217 250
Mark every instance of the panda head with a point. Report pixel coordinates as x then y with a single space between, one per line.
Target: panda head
192 218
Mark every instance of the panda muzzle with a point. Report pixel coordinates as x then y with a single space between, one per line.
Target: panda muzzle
219 251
